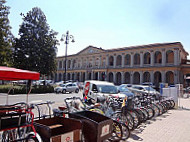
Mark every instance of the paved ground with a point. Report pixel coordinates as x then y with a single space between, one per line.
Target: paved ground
173 126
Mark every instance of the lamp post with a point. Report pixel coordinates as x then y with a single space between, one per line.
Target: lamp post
66 38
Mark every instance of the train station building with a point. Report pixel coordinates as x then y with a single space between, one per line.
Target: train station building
156 63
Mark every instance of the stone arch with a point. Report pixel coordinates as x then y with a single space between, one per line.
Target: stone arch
74 63
118 78
137 59
158 57
170 77
60 77
146 77
136 78
96 76
147 58
157 79
169 56
111 60
110 77
127 78
83 76
127 59
60 64
68 76
118 60
69 64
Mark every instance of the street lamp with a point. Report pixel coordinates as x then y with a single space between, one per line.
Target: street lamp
66 38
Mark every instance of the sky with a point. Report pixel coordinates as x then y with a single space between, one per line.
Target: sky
110 23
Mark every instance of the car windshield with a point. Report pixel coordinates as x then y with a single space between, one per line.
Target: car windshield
123 89
107 89
149 88
62 85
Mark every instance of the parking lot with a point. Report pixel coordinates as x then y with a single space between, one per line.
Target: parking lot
173 126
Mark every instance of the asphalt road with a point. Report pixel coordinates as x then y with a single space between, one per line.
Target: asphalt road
36 98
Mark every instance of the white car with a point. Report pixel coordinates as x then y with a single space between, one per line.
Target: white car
97 90
69 87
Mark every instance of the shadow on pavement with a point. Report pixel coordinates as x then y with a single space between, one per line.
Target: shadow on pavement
135 137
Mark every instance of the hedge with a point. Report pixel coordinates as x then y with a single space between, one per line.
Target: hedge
22 89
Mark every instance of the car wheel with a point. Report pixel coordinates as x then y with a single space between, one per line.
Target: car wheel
77 90
64 91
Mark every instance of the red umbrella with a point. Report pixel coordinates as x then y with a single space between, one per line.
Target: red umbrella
7 73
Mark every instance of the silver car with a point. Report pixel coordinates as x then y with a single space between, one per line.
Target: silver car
69 87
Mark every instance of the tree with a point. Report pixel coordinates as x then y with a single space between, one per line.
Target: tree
5 35
36 48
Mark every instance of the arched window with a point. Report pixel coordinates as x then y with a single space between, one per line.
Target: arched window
147 58
137 59
169 56
118 60
110 77
111 59
127 78
146 77
158 57
136 78
127 59
118 78
170 77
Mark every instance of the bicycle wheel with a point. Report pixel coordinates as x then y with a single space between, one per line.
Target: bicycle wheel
141 116
117 132
6 136
126 132
32 138
150 112
135 118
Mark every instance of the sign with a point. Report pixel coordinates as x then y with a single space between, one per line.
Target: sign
105 130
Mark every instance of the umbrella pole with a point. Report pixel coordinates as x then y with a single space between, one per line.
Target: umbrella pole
30 88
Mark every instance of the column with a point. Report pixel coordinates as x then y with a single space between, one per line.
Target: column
123 60
114 62
176 77
93 61
100 61
98 75
80 76
92 75
86 75
114 77
163 57
152 76
163 77
152 58
132 59
71 66
141 77
122 78
87 63
106 76
131 77
141 59
176 56
107 60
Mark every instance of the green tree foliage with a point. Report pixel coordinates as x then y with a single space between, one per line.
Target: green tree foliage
36 48
5 35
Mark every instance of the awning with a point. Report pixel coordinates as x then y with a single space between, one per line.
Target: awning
7 73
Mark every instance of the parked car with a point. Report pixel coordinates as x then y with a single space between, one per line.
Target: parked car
98 90
69 87
124 90
137 89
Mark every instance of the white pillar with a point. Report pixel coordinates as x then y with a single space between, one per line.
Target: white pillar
131 77
141 59
152 58
86 75
163 57
152 76
92 75
176 56
100 61
163 76
122 78
132 59
114 77
114 61
176 77
107 60
80 76
123 60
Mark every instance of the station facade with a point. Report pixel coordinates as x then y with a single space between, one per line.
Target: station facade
156 63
